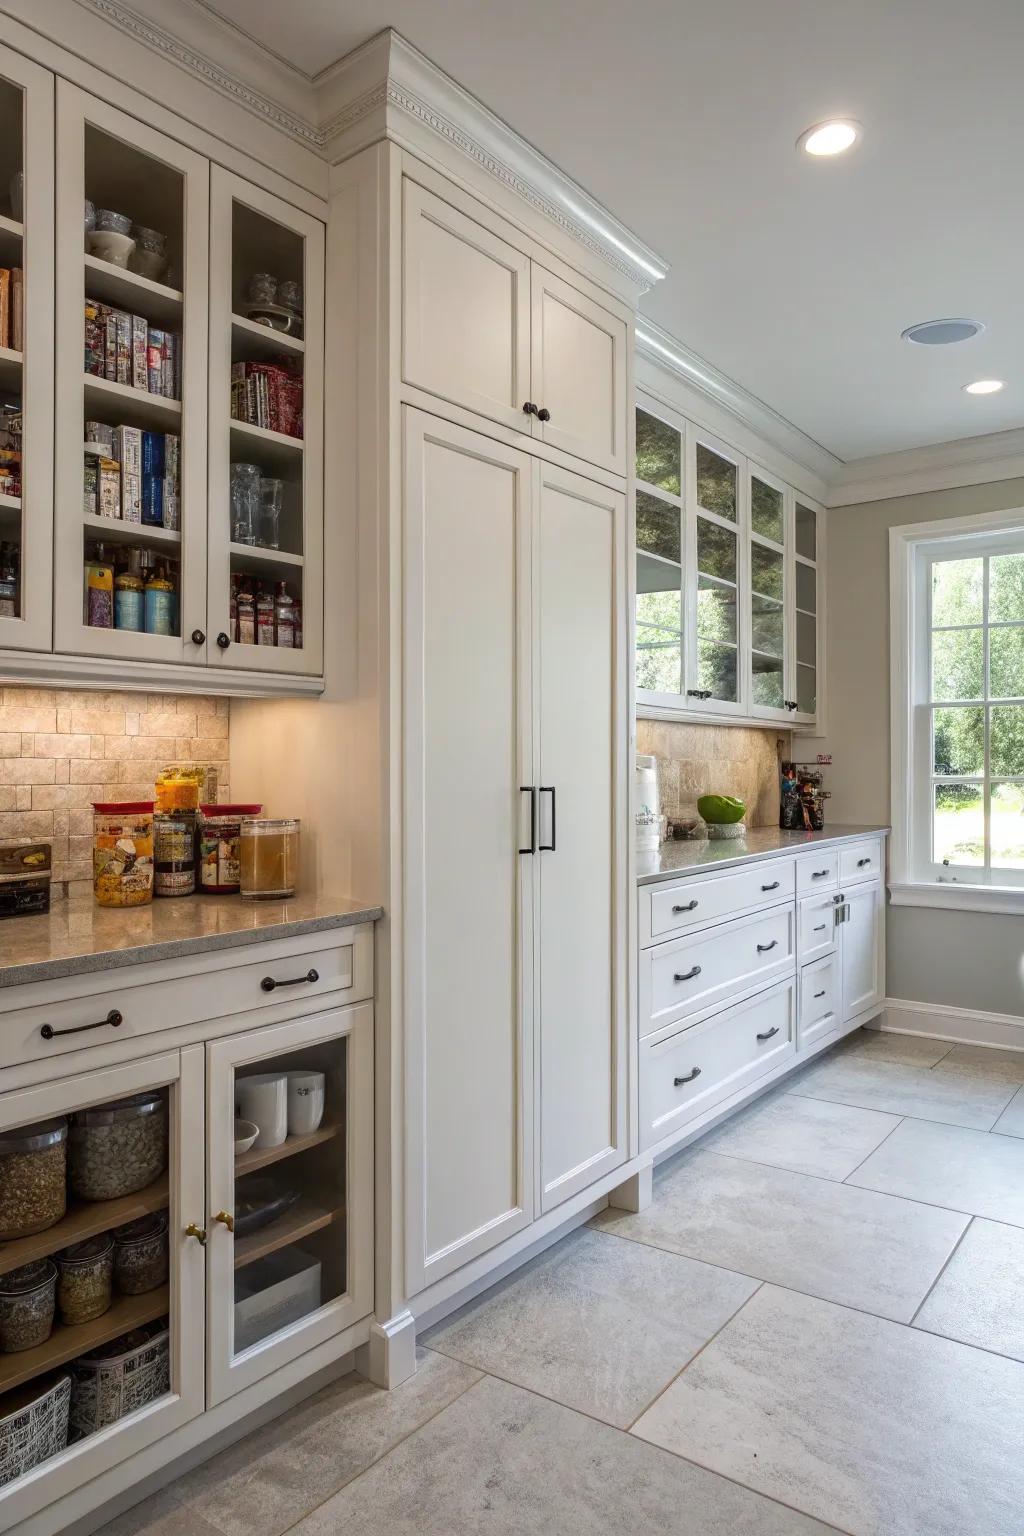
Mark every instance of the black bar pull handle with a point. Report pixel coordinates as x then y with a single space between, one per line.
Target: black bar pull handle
549 789
769 1033
687 975
531 790
763 949
677 1082
270 983
773 887
687 906
114 1018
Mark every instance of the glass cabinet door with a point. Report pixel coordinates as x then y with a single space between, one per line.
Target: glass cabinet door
806 602
132 256
713 679
26 353
659 558
290 1251
769 596
266 431
102 1226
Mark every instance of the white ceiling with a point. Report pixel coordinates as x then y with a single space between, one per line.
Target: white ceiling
793 277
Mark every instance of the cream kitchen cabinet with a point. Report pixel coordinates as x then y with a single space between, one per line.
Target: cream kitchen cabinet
486 326
862 948
515 844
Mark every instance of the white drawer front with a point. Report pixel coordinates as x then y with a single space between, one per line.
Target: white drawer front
819 999
817 926
694 903
817 872
861 861
694 973
688 1073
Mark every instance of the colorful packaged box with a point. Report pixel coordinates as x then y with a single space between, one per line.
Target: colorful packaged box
91 485
124 347
172 480
155 361
140 352
95 340
109 493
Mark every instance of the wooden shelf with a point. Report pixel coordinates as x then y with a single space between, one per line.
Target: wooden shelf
301 1221
10 370
252 342
277 563
262 1157
132 407
10 503
131 291
66 1344
84 1218
11 236
270 450
113 530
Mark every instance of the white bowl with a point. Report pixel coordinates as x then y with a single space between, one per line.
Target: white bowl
108 245
149 264
245 1135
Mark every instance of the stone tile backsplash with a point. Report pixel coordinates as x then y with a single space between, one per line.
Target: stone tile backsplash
61 749
696 760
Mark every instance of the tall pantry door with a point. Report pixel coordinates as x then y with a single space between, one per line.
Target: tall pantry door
468 902
582 648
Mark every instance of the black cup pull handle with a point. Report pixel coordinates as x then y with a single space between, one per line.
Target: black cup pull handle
271 983
677 1082
773 887
549 789
689 906
687 975
114 1019
763 949
769 1033
531 790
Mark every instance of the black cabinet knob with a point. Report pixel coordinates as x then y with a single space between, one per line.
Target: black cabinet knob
529 409
198 638
543 414
223 640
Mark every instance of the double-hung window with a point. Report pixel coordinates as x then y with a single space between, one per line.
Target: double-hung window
958 712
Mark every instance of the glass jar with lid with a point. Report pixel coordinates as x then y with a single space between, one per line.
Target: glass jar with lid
123 853
33 1178
268 858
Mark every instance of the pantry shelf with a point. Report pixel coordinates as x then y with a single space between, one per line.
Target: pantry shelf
11 235
66 1344
129 290
270 450
252 342
10 369
84 1219
301 1221
134 407
275 562
262 1157
114 531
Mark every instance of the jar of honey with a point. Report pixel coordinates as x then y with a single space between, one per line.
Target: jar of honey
268 858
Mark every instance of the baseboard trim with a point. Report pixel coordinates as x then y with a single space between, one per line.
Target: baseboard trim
961 1026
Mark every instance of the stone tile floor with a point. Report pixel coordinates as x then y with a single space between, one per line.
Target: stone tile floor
817 1326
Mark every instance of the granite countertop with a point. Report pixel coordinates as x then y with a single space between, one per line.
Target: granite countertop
687 856
78 937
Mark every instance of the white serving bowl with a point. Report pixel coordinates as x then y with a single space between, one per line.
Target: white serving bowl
108 245
245 1135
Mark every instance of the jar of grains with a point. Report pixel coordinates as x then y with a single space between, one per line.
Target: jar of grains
219 838
268 858
26 1311
33 1165
123 853
85 1273
141 1256
115 1149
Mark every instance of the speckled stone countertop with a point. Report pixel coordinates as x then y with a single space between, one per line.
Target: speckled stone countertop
687 856
78 936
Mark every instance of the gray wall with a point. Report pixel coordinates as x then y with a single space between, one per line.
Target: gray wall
964 960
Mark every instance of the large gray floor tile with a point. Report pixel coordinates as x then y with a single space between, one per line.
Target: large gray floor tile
881 1045
1008 1065
1011 1121
946 1165
807 1135
507 1463
596 1323
829 1239
880 1429
980 1297
273 1477
955 1098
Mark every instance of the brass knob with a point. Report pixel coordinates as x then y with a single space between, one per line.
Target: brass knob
227 1220
193 1231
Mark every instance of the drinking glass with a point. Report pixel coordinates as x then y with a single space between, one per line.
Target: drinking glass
271 499
245 503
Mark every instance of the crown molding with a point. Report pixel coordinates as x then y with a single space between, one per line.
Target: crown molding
938 467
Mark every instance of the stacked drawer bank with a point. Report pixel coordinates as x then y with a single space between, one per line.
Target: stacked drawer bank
754 956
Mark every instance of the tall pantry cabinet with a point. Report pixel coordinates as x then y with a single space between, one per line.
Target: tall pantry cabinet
504 545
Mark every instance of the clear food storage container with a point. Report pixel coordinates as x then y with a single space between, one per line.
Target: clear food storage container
141 1255
33 1167
269 858
115 1149
26 1313
85 1274
219 838
123 853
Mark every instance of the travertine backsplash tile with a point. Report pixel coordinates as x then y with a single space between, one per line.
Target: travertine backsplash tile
61 749
696 760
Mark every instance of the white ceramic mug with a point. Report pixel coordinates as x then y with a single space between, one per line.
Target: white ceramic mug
305 1102
263 1099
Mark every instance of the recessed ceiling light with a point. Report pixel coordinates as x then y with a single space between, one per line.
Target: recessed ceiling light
942 333
984 387
831 138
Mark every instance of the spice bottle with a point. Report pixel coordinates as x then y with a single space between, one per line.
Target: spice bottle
129 598
99 590
246 613
284 616
160 603
264 616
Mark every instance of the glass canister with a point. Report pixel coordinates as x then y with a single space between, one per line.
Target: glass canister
268 858
219 838
26 1311
115 1149
245 503
178 788
123 853
85 1274
33 1178
141 1255
174 853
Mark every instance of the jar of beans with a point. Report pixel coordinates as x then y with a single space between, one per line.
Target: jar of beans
141 1255
33 1164
85 1278
26 1311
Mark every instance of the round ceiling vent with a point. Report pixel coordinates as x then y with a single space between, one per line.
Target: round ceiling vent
942 333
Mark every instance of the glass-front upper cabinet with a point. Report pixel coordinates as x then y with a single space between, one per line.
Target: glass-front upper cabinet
714 681
291 1248
769 596
266 430
807 536
660 457
132 254
26 353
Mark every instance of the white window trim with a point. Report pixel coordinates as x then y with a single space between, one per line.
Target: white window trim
906 887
